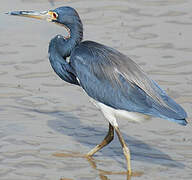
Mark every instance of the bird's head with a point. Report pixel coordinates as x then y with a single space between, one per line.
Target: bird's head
65 16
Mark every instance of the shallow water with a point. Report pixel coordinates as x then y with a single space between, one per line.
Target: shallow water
41 116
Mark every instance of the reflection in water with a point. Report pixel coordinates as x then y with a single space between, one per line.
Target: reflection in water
102 173
65 179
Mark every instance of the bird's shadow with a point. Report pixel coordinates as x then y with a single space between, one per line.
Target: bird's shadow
66 123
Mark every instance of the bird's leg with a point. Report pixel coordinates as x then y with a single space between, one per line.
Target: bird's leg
125 149
108 138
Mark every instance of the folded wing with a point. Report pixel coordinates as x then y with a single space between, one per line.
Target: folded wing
115 80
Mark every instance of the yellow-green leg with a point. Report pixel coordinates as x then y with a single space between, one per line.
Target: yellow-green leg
109 137
125 149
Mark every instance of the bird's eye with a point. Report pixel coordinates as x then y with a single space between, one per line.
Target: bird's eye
55 15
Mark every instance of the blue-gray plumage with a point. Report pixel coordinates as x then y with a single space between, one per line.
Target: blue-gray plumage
111 79
104 74
107 75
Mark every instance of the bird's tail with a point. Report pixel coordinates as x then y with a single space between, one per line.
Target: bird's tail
171 110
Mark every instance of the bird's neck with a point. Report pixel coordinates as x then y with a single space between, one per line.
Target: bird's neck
60 48
65 45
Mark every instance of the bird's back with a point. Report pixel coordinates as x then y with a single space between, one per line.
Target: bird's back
115 80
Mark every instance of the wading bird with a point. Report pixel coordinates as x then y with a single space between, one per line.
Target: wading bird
115 83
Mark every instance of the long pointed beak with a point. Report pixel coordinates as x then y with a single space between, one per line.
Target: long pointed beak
44 15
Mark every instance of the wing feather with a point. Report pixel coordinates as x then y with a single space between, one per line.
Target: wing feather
109 64
102 69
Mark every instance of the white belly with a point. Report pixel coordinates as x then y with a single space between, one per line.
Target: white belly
111 114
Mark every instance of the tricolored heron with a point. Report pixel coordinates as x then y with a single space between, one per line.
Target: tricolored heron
116 84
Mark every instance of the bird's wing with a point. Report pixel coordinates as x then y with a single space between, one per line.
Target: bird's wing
115 80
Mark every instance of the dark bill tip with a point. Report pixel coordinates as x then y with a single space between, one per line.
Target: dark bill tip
15 13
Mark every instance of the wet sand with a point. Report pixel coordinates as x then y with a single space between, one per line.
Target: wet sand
41 116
